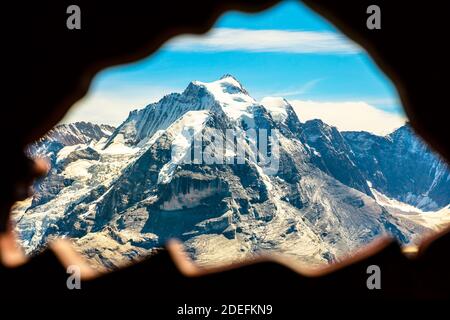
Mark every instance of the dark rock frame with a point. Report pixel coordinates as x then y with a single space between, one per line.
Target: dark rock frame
58 66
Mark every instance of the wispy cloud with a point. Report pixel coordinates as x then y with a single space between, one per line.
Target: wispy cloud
287 41
350 116
303 89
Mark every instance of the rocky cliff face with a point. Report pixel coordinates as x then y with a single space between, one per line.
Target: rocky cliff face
332 154
132 189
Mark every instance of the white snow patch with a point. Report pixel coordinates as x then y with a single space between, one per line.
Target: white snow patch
78 169
118 146
435 220
276 107
64 152
183 130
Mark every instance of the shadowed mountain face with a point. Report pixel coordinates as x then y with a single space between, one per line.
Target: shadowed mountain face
401 166
120 193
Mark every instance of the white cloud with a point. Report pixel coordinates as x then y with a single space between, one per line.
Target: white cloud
227 39
349 116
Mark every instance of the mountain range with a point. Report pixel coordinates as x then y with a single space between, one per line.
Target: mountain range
120 194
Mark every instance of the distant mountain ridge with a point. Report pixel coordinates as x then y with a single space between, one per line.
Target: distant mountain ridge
70 134
403 167
120 193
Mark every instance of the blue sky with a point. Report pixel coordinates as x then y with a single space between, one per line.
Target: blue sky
285 51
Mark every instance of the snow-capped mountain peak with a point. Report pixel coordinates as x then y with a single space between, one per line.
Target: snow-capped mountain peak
231 96
142 124
128 192
233 80
226 94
